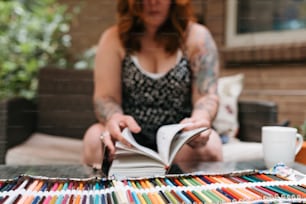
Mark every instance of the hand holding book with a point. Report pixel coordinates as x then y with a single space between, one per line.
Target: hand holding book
194 123
112 131
139 160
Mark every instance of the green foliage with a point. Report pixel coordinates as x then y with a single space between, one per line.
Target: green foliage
302 130
86 59
33 34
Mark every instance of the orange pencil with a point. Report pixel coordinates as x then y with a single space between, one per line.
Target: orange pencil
39 185
293 190
81 186
264 177
78 199
60 186
193 197
180 200
177 182
232 194
143 184
209 179
153 198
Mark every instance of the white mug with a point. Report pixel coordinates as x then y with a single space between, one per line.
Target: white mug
280 145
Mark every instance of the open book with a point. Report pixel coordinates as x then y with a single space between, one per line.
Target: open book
139 160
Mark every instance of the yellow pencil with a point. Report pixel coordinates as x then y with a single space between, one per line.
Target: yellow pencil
141 199
157 196
53 200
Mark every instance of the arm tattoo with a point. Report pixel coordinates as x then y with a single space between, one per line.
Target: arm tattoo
207 104
105 108
206 66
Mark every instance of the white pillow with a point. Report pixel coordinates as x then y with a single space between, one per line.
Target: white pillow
229 90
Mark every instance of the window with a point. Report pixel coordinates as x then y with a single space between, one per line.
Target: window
265 22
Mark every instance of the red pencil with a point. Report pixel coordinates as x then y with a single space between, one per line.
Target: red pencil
194 198
234 195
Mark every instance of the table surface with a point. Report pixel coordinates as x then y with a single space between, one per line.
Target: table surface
82 171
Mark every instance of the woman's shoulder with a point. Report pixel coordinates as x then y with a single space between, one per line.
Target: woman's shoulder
111 32
197 35
110 39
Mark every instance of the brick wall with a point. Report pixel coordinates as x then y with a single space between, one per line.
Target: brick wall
94 17
283 83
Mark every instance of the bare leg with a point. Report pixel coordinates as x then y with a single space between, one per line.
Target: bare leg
212 151
92 147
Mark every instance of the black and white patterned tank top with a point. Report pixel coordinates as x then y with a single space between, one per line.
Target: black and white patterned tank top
155 99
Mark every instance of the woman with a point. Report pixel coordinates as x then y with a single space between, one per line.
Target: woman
155 67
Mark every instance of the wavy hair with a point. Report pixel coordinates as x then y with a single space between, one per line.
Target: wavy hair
171 34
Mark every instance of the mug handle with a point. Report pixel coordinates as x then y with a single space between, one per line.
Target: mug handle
299 144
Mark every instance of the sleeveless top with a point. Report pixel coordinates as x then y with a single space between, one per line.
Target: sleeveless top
155 99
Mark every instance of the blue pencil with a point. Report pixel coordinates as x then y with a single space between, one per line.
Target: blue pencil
183 197
135 198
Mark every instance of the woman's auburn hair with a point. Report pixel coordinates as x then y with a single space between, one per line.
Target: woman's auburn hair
171 34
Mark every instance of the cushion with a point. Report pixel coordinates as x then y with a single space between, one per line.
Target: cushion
229 89
236 150
46 149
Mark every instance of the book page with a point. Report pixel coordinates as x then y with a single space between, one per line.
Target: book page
126 133
165 136
181 139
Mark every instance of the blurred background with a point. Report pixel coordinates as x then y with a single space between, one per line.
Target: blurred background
264 39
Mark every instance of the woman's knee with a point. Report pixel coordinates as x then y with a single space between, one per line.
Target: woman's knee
91 143
214 147
93 131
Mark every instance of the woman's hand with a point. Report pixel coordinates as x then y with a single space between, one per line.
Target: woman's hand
203 137
113 128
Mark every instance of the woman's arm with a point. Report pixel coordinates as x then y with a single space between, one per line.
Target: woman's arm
203 55
107 89
107 71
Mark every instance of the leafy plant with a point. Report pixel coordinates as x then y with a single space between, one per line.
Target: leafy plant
86 59
33 34
302 130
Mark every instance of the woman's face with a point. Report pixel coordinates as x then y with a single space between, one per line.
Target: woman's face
155 12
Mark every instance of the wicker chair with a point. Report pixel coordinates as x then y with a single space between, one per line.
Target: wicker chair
64 108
